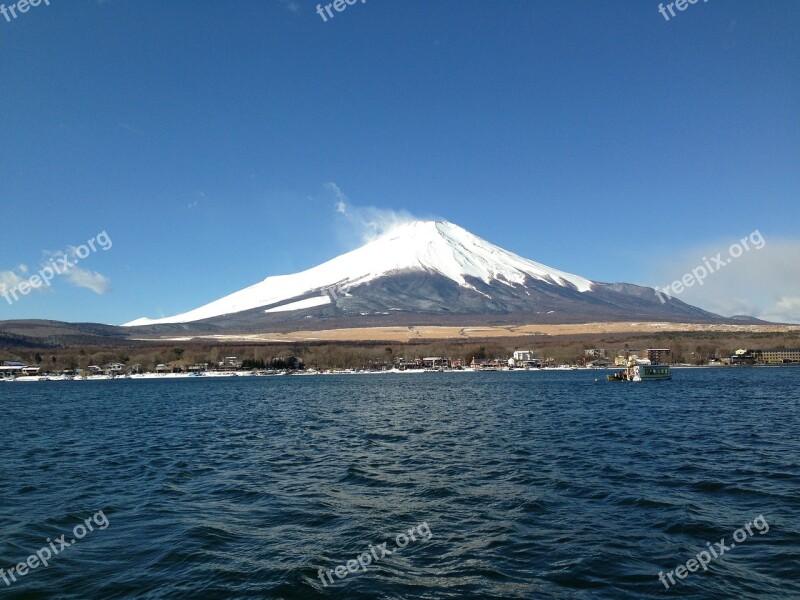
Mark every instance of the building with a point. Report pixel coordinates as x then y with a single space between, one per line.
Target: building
524 359
595 353
599 363
231 363
741 357
777 357
484 364
765 357
115 369
624 356
622 359
435 362
9 369
658 356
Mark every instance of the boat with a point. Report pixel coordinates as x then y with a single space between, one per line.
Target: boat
642 371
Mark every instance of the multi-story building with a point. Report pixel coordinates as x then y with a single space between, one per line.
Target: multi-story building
765 357
775 357
771 357
524 358
659 356
435 362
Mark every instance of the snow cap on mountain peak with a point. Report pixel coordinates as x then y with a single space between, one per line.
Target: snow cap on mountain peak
452 251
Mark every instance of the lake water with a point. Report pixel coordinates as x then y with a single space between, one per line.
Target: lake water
514 485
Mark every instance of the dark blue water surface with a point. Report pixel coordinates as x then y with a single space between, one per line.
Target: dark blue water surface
532 485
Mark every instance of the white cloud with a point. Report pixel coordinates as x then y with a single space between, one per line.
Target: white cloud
83 278
786 310
9 279
76 276
60 264
761 283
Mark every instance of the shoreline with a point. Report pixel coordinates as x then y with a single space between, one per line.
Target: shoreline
252 374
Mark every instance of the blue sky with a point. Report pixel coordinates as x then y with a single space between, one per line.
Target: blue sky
594 137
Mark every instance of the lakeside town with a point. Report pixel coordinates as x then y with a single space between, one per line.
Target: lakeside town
231 366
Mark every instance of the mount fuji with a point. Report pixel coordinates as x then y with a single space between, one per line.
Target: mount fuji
428 272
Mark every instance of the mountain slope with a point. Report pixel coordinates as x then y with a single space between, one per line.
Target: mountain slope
425 246
425 271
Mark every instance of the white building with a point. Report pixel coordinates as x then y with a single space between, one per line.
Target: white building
523 358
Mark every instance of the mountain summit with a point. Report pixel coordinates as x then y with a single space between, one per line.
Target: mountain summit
426 271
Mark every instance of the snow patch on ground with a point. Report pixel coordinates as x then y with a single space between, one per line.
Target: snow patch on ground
301 304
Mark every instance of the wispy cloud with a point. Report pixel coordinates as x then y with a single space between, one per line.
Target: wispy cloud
199 195
290 5
341 200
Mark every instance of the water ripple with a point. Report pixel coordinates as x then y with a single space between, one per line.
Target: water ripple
534 485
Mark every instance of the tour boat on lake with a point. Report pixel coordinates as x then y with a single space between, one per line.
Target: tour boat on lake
637 371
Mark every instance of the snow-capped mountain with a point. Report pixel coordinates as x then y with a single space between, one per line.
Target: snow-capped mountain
433 268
